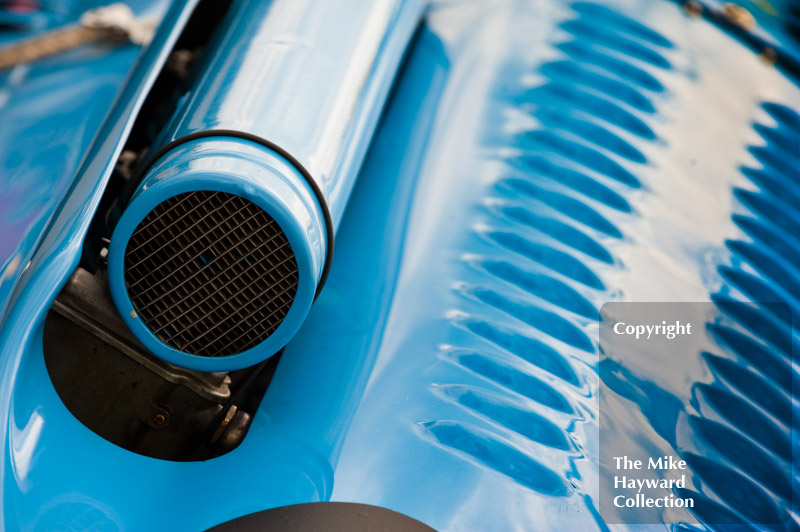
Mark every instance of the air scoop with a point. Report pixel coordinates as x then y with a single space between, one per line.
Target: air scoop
228 236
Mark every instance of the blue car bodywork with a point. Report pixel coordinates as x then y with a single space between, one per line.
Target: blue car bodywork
535 160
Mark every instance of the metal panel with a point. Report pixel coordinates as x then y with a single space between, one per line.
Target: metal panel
50 112
537 160
592 153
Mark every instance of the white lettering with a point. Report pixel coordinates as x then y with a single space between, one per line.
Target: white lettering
670 331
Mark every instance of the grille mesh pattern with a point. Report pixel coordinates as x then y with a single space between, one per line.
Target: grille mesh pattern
210 273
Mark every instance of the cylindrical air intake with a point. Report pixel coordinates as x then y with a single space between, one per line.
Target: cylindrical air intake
218 256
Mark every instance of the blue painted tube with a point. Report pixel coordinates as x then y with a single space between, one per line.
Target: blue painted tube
281 114
250 171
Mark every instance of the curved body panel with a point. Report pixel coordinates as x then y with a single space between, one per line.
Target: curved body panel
50 113
535 161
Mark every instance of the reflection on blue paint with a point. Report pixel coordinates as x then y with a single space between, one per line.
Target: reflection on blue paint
532 165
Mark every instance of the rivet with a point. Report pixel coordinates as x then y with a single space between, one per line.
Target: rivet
693 8
738 15
769 56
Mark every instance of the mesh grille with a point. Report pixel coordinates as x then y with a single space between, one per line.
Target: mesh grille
210 273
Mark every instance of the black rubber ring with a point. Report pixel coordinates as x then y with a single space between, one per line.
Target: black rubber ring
326 213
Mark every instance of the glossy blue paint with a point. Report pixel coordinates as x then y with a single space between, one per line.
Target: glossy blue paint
33 495
537 159
769 27
568 167
321 121
23 18
321 71
50 112
248 170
